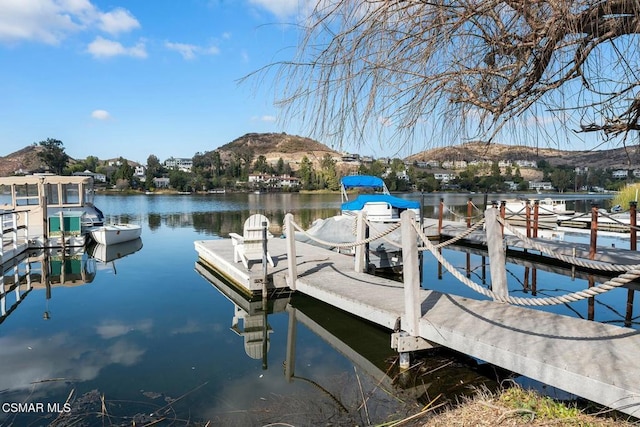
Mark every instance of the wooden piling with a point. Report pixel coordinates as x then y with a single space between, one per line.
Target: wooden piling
411 279
359 263
440 214
633 224
292 267
495 248
527 210
594 232
536 217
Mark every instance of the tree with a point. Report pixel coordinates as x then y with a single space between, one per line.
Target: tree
53 155
472 66
306 173
154 170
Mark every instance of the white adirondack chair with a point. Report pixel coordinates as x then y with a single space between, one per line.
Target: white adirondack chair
248 247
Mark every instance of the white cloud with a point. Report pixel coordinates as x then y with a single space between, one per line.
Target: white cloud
118 21
100 115
190 51
103 48
285 8
51 21
266 118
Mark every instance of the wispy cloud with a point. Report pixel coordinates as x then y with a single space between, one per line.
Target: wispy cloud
266 118
100 115
285 8
103 48
51 21
191 51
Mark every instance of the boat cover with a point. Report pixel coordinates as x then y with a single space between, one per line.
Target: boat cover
396 202
352 181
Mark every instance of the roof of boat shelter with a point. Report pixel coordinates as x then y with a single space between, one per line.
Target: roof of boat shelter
352 181
46 178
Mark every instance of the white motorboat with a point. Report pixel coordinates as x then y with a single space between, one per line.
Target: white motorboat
380 206
115 233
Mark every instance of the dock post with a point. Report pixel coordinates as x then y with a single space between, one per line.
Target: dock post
495 248
633 220
527 212
536 213
360 249
469 212
291 252
290 360
440 214
503 214
594 232
412 311
265 250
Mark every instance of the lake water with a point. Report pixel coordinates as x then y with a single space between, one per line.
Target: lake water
149 337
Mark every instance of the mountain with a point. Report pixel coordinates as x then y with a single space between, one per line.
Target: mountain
291 148
25 159
618 158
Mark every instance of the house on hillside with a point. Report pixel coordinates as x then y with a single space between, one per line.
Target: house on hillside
181 163
97 177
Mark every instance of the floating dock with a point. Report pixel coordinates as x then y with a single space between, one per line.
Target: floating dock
593 360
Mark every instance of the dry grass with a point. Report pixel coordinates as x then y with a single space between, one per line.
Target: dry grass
516 407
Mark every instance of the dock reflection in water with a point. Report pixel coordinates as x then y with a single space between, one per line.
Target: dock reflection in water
438 376
45 269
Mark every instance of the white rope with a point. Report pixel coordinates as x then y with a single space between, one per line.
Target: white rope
348 244
571 297
568 259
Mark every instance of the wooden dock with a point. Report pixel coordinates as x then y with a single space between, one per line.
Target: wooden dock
596 361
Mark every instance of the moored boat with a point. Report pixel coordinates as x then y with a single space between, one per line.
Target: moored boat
380 206
56 210
115 233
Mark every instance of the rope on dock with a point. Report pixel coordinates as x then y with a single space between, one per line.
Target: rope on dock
460 236
595 265
348 244
613 283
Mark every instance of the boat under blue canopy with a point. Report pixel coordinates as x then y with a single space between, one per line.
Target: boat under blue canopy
352 181
396 202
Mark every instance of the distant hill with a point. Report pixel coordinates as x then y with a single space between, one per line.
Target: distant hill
25 159
291 148
614 158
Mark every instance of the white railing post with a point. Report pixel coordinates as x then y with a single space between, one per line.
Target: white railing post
411 274
291 252
497 258
360 249
1 236
14 220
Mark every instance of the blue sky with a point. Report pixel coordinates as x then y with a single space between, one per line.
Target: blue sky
138 77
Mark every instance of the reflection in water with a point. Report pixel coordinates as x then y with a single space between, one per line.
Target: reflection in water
51 268
42 269
436 375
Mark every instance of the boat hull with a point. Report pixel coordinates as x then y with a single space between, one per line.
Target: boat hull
116 233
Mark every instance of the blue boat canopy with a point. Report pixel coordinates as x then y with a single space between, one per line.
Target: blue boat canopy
353 181
396 202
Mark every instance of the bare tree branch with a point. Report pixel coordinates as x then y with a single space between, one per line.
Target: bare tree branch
455 63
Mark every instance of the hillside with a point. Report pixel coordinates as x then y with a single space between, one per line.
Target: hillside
291 148
615 158
25 159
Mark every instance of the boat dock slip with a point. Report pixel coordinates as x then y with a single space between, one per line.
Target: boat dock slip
593 360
